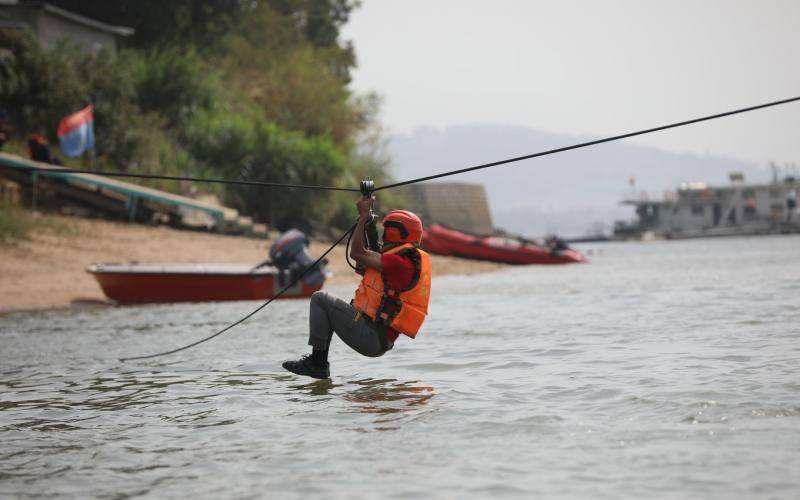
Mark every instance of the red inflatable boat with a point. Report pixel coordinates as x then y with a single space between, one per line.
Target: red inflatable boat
443 241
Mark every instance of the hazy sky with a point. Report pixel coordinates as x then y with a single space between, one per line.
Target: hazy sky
589 67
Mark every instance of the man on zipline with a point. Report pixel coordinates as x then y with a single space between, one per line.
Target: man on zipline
391 299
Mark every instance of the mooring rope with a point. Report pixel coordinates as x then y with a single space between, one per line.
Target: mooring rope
249 315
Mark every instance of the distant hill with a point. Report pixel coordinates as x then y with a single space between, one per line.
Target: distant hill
571 193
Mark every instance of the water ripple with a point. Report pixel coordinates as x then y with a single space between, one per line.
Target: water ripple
659 370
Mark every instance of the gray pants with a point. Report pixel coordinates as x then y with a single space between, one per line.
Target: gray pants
331 314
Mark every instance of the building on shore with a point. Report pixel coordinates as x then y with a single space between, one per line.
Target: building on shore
699 210
51 24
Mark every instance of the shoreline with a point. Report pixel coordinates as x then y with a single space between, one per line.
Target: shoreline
48 271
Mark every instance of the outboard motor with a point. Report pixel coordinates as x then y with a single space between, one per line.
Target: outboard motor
556 245
290 255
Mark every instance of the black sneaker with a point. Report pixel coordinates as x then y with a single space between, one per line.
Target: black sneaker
306 366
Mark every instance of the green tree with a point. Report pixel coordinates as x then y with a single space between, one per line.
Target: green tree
203 23
241 89
39 87
320 22
176 83
270 63
159 22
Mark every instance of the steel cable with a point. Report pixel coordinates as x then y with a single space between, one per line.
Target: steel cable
399 184
589 143
193 179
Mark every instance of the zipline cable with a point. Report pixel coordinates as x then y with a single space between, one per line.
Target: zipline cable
248 316
193 179
398 184
590 143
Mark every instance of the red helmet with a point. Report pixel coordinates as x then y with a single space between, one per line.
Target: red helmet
402 226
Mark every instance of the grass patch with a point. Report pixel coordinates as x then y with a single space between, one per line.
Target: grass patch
17 224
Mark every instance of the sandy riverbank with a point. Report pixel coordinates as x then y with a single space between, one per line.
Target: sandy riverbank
48 270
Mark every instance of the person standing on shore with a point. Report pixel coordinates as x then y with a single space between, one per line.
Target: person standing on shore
39 148
391 299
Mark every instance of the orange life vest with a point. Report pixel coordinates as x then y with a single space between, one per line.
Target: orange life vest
402 310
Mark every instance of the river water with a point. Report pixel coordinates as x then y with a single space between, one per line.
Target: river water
659 370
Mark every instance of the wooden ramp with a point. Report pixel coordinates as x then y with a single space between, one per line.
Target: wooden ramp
118 199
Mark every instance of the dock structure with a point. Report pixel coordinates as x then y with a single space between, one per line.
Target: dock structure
458 205
117 199
698 210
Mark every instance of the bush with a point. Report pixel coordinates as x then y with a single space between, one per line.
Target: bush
39 87
177 84
292 82
257 150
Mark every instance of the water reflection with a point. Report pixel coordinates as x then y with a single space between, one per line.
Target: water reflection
113 392
388 396
387 399
316 388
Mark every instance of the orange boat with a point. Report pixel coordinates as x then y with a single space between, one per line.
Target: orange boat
444 241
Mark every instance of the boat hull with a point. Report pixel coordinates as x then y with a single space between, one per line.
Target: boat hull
444 241
147 285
